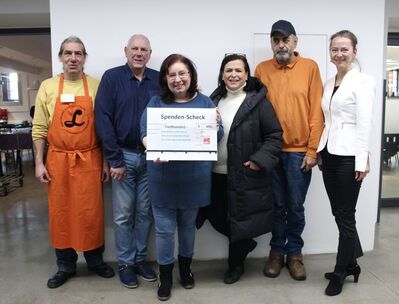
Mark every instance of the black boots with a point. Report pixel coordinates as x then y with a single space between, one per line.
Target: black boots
165 281
186 276
353 269
336 283
337 278
238 252
166 277
233 274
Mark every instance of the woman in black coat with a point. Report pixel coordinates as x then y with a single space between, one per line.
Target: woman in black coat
242 198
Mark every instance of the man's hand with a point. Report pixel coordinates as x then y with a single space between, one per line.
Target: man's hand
42 174
105 172
308 163
117 173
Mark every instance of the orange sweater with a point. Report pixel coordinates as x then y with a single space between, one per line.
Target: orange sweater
295 90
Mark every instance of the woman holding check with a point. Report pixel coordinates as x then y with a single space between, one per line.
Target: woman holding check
177 188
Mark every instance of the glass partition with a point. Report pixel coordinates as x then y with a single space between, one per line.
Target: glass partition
390 139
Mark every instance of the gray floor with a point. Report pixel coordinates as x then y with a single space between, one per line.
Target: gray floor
26 262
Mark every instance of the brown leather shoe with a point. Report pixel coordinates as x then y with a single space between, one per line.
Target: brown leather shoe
296 267
273 265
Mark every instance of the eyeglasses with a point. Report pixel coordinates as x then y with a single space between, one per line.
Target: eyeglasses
181 75
237 54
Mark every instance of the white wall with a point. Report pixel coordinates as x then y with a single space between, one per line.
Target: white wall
206 30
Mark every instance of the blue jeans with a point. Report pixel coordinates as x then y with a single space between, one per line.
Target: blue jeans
290 185
132 211
166 222
67 258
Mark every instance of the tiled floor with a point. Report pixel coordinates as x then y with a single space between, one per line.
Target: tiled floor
26 262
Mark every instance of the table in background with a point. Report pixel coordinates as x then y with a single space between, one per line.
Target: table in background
11 146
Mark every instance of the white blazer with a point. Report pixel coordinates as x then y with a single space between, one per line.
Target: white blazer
347 117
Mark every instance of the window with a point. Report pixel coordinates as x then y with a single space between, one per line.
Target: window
392 83
10 88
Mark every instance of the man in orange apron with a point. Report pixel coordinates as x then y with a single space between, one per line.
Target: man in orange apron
64 117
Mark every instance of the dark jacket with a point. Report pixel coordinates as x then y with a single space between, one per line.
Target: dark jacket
255 135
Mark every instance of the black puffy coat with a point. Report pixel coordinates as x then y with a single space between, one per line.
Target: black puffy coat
255 135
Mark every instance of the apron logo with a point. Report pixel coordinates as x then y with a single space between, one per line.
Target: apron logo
74 119
71 123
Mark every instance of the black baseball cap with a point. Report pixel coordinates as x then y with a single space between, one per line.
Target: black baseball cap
284 27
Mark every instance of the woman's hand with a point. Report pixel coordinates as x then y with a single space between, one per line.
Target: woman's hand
359 176
251 165
217 118
160 161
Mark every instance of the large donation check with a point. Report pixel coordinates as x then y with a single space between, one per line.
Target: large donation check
181 134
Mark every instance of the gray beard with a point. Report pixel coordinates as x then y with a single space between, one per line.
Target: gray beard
283 58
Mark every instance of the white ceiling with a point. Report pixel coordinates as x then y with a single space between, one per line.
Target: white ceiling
24 13
31 53
34 51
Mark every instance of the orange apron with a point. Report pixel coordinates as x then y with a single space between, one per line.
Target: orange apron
74 162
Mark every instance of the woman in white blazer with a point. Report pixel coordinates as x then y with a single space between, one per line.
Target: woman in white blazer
344 149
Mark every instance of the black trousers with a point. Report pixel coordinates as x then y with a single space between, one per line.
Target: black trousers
67 258
217 214
343 191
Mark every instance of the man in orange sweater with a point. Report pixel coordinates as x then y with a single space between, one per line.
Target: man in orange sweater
295 90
